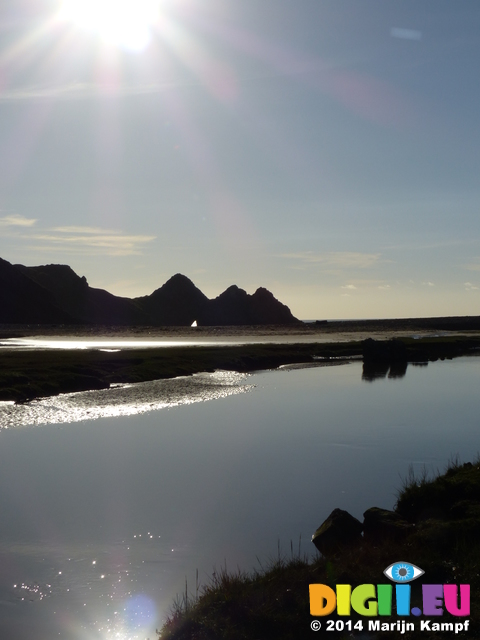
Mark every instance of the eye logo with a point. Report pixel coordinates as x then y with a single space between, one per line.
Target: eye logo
403 572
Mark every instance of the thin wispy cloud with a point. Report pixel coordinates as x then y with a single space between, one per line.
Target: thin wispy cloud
79 90
470 287
73 239
474 265
365 284
76 229
16 221
338 259
90 239
419 246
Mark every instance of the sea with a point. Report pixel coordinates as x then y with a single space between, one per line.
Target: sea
115 502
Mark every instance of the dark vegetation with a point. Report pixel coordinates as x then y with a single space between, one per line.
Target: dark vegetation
272 602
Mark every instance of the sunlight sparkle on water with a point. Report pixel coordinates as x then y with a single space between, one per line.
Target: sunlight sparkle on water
103 345
124 400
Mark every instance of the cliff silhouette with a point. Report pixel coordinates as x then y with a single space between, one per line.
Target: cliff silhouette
55 294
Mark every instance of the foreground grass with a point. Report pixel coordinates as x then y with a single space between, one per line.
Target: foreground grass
272 602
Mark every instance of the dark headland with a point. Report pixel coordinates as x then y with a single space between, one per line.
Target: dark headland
54 294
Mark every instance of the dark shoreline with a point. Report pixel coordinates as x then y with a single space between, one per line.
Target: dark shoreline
29 374
319 327
26 374
435 526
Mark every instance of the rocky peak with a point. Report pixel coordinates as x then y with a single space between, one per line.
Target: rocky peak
63 295
177 286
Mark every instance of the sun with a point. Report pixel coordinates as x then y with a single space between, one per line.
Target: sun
124 23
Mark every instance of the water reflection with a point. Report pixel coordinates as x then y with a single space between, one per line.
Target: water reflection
372 371
105 345
378 370
104 598
105 518
123 399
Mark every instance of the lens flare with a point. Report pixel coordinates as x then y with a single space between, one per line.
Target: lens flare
125 23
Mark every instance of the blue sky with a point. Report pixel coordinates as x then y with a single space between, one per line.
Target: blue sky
325 149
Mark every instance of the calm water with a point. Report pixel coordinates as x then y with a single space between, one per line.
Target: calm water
102 519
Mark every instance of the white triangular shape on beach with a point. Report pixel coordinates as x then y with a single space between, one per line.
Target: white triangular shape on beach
194 324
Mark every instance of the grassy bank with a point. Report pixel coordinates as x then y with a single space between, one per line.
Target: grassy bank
273 603
29 374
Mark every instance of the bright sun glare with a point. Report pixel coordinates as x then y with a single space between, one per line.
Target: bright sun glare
125 23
